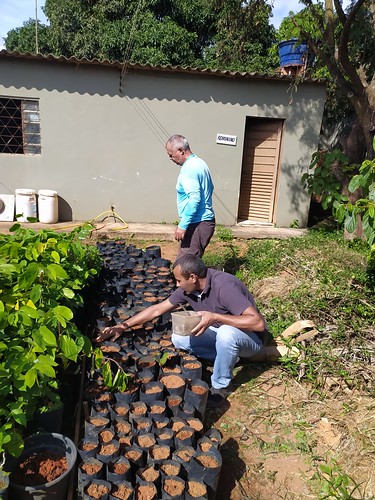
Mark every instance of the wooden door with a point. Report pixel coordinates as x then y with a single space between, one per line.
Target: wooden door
259 169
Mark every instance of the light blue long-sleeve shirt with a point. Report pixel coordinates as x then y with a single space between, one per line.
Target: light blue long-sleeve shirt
194 192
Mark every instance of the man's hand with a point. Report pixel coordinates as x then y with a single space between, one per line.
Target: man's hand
111 332
207 320
179 234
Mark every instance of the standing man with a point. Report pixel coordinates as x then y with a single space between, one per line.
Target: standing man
231 325
194 198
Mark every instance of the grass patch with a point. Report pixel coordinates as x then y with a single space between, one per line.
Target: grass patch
322 278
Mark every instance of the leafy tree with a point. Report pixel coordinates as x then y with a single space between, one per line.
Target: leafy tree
159 32
243 36
221 34
325 181
335 40
25 38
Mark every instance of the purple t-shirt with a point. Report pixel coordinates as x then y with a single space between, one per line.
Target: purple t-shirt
223 294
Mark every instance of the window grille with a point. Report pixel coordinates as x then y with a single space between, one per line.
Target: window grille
19 126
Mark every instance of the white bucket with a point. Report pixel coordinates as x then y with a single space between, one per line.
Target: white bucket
48 208
6 207
25 204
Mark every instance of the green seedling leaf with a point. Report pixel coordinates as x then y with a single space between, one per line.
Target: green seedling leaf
44 367
36 293
68 293
30 311
48 337
64 312
325 469
356 182
7 269
15 445
107 374
69 348
55 256
98 358
350 223
29 276
19 416
31 377
55 271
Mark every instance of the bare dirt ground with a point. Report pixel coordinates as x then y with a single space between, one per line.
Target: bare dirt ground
277 432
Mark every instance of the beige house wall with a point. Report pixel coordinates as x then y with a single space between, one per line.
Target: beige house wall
103 148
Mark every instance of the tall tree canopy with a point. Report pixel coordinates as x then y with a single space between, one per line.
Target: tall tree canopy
220 34
344 43
230 34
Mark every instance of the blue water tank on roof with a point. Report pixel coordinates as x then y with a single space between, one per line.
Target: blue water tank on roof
291 53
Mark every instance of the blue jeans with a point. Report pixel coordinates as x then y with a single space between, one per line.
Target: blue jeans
223 345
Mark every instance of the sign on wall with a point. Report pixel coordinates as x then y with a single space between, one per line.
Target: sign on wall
229 140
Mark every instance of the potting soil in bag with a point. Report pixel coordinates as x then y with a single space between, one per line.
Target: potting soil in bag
97 489
173 488
207 466
122 491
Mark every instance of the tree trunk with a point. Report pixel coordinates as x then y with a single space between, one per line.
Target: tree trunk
366 117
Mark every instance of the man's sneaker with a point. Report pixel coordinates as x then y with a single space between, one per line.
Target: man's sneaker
217 397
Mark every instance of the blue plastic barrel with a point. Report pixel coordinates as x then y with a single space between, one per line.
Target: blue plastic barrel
292 54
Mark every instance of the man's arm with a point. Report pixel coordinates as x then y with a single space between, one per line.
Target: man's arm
249 320
144 316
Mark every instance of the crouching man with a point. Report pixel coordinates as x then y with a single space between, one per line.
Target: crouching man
230 327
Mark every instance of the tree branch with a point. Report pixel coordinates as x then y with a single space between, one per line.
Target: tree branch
343 50
330 26
340 13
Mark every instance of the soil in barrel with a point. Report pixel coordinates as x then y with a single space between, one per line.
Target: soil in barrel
40 468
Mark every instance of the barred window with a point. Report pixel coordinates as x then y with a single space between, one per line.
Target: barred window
19 126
